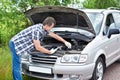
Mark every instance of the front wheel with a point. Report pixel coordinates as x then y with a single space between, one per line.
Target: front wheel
99 70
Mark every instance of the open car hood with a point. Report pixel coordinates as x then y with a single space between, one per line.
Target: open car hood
64 16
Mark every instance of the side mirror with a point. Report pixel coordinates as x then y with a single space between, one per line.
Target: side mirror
113 31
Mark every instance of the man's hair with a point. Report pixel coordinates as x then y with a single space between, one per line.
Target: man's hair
48 21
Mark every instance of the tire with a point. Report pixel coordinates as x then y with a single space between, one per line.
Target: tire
99 70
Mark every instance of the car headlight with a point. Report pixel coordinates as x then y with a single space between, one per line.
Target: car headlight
25 57
74 58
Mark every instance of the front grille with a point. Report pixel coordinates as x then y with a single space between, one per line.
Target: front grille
43 59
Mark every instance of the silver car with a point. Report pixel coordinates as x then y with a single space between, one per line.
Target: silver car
94 35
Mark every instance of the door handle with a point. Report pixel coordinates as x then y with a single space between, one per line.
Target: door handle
117 39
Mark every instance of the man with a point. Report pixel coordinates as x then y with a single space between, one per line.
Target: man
28 40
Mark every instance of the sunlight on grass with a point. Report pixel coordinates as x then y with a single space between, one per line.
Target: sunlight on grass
6 65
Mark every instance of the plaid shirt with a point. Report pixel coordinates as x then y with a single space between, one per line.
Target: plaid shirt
23 41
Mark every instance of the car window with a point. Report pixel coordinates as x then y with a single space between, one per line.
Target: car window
96 20
116 16
109 21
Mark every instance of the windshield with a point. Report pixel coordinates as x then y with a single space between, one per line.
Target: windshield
96 20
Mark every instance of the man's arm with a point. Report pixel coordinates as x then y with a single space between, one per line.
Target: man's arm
57 37
40 48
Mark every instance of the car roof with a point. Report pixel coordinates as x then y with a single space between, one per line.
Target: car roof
93 10
99 10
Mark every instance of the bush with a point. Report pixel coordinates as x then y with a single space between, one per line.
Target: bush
12 21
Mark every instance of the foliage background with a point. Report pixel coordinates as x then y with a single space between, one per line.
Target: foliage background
101 4
13 20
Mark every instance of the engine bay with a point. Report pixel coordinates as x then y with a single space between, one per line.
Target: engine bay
78 42
52 43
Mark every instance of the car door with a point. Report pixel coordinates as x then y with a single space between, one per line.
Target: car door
111 44
116 17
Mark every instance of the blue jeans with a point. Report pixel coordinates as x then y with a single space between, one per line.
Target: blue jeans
16 63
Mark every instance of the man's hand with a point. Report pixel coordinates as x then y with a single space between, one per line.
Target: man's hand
59 38
52 51
68 44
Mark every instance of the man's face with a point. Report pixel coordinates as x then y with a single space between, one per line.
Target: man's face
48 28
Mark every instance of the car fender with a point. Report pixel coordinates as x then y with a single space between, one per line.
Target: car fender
98 54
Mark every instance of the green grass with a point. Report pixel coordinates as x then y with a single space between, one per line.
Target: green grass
6 65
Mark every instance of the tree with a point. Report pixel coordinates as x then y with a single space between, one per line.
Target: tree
13 19
100 4
23 5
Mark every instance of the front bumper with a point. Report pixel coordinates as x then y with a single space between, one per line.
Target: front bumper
84 71
61 72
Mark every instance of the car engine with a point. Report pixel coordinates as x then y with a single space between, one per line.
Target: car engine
77 40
